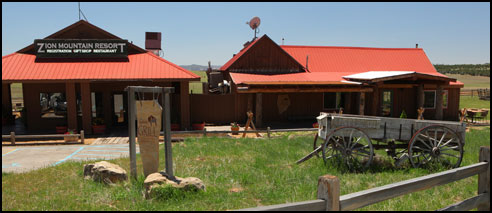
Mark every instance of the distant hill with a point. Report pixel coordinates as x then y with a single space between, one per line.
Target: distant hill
464 69
196 67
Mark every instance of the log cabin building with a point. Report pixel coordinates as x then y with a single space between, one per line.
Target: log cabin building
76 78
289 83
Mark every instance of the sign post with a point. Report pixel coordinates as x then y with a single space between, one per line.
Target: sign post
166 124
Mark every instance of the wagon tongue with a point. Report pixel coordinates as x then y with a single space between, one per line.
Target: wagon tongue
310 155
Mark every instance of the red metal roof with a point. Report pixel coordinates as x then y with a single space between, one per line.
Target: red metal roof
329 63
22 67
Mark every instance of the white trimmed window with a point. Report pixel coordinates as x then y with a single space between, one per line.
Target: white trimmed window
430 99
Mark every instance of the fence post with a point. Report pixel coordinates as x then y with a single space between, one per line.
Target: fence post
484 177
204 132
82 137
329 190
12 138
268 132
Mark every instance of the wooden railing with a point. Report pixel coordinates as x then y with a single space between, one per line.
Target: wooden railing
329 198
12 136
268 131
475 92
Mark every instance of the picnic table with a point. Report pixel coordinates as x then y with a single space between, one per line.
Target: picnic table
477 114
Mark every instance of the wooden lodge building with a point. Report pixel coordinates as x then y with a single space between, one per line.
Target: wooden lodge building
278 83
76 78
289 83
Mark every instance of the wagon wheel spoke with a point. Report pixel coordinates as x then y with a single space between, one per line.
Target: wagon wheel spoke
443 136
447 142
423 142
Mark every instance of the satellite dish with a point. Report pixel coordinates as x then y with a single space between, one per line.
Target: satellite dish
254 22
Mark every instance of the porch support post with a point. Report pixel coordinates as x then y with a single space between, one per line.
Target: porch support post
85 90
420 96
250 102
7 98
184 98
375 101
259 116
439 101
71 105
347 108
362 101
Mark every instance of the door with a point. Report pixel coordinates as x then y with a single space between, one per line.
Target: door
120 109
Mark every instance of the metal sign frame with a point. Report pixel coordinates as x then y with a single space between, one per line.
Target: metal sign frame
166 125
81 48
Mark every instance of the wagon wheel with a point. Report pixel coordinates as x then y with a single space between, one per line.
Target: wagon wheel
435 144
350 144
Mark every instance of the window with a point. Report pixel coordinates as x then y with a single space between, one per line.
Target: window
430 99
53 105
386 103
333 100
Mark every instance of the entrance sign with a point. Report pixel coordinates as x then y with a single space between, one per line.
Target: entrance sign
80 48
166 122
148 131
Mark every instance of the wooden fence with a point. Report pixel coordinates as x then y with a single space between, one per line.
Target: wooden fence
473 92
329 198
268 131
12 136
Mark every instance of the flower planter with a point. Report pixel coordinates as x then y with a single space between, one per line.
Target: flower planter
198 126
71 138
98 129
61 129
175 127
235 129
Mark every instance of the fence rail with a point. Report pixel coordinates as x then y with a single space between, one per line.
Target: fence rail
329 198
12 136
268 131
475 92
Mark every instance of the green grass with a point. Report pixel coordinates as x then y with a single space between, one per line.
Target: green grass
196 87
474 102
264 171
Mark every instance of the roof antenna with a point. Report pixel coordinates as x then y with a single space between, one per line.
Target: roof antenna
282 41
254 23
80 11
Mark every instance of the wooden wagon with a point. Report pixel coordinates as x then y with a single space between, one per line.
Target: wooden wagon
353 138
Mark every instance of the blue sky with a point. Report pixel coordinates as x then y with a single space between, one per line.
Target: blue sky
194 33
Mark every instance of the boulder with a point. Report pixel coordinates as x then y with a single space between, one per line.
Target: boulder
157 180
105 172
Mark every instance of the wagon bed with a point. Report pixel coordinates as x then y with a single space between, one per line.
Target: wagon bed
355 137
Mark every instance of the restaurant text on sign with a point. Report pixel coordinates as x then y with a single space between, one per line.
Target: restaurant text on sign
59 48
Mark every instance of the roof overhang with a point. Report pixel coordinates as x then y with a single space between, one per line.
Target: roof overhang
379 76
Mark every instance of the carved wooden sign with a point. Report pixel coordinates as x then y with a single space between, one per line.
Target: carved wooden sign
149 115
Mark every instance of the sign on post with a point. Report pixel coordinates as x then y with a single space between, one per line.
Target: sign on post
149 115
166 124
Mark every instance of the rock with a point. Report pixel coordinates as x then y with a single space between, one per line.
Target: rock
104 172
159 180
